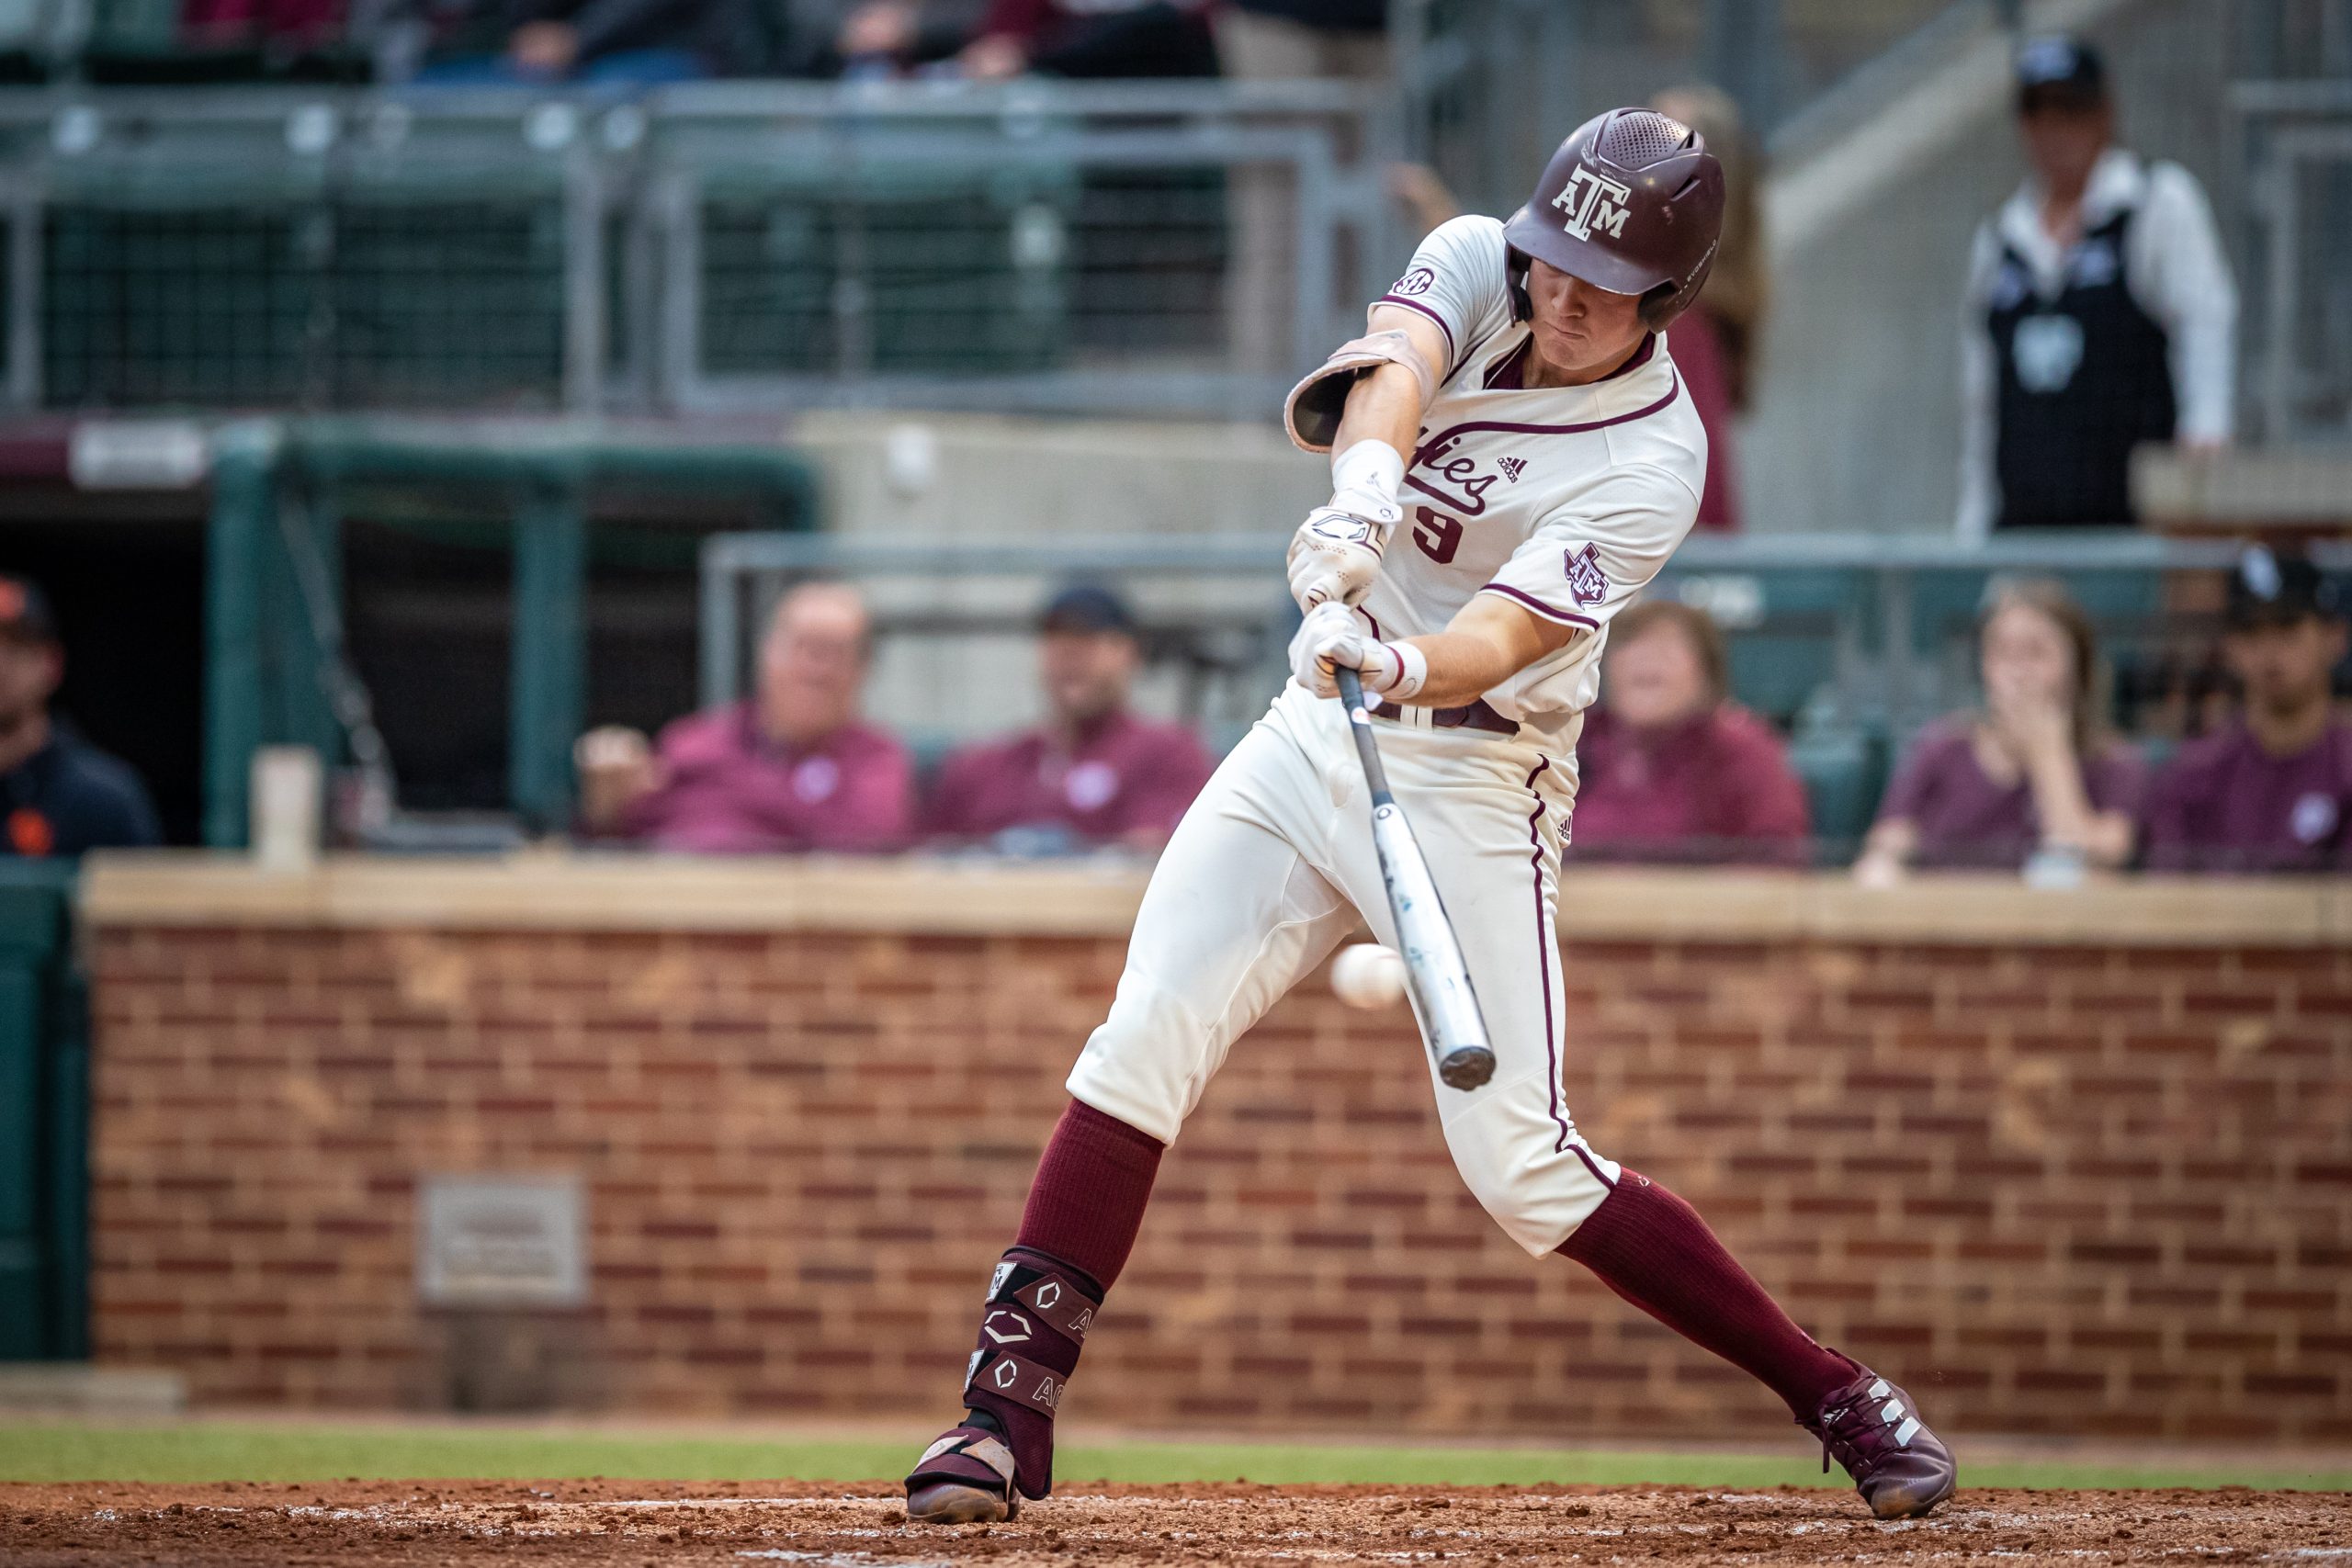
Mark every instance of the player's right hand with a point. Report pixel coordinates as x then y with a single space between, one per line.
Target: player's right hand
1335 555
1332 635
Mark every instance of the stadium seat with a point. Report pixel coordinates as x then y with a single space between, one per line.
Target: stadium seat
1791 653
1844 774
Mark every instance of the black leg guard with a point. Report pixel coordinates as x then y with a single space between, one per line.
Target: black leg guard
1032 1328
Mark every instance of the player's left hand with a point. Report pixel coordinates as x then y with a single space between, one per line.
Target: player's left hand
1335 555
1331 636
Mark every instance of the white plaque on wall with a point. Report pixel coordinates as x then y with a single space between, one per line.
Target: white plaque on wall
502 1241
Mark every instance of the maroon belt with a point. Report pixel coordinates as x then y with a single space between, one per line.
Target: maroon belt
1477 716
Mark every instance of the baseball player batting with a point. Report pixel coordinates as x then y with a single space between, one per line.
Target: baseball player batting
1514 456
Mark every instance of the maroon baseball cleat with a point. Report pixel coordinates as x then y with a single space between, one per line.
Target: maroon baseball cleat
1901 1469
965 1478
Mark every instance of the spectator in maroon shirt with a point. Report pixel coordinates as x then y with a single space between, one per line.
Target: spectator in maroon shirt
1668 768
2272 791
2034 773
1093 774
793 768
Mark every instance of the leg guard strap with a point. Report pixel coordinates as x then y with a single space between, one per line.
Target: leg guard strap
1008 1376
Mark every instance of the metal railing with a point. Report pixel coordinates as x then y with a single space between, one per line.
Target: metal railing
1031 245
1838 632
279 662
2295 141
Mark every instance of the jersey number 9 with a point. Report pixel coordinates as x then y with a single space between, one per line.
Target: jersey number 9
1438 537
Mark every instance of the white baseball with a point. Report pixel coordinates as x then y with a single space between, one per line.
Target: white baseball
1368 976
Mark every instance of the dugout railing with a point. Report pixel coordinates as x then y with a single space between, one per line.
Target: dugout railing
277 663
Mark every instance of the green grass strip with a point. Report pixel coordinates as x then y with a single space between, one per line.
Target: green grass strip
204 1451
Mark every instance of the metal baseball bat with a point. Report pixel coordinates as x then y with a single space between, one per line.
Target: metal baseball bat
1440 981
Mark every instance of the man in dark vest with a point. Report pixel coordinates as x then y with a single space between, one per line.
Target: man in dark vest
2101 314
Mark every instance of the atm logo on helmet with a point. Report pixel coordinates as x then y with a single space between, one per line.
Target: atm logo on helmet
1592 201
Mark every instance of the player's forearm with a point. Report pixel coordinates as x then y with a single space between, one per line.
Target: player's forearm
1490 640
1384 405
1463 667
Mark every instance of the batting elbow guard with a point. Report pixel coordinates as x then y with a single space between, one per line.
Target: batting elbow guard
1032 1330
1316 405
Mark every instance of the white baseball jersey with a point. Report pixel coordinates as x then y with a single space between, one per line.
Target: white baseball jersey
1564 500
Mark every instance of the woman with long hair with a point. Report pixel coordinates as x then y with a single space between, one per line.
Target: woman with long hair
2034 770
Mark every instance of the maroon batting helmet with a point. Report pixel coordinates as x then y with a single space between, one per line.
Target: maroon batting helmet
1633 203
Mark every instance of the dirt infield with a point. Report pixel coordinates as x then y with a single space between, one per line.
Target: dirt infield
630 1524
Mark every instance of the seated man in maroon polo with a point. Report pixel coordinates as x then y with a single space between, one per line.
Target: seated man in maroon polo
791 769
1093 774
2272 789
1668 768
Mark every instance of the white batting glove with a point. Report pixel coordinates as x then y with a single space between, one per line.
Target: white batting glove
1335 555
1332 636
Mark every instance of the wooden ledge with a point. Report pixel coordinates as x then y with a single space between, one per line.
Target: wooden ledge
556 891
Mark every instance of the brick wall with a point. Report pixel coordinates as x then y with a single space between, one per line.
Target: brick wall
2053 1189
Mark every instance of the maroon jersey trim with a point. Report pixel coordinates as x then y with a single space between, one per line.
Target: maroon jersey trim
1563 617
1449 432
1424 309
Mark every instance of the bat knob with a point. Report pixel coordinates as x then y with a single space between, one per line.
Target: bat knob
1466 1069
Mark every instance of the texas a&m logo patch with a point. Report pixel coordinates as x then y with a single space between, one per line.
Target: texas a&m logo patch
1588 585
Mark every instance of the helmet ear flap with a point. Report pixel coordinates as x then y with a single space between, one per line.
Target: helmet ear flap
1659 306
1523 308
1665 302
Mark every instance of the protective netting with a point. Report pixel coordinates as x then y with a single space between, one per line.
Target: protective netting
1638 140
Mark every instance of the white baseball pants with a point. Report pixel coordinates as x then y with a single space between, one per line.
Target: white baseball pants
1268 872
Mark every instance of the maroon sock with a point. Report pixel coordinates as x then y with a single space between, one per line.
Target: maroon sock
1652 1248
1085 1205
1086 1202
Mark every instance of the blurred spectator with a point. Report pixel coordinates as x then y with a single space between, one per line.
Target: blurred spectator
2034 773
639 44
1668 768
1094 772
61 796
1714 342
2099 313
793 768
280 28
2272 791
1090 37
878 38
